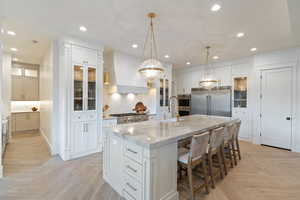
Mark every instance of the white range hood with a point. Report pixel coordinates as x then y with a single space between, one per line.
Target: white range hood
124 74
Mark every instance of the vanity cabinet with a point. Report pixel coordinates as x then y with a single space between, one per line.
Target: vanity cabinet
84 66
25 82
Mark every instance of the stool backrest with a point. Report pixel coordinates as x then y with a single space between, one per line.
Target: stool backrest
199 146
229 132
216 138
237 129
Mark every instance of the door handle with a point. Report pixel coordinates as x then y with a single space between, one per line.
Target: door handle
288 118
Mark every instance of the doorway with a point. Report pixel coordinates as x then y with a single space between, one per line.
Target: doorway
276 107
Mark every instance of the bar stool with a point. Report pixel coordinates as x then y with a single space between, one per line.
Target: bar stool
228 141
195 157
236 144
215 149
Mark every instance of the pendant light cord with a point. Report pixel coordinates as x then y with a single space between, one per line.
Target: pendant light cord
153 47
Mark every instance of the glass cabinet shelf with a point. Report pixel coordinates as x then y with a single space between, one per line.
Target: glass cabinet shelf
240 92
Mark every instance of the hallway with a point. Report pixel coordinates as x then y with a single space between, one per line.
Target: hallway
24 152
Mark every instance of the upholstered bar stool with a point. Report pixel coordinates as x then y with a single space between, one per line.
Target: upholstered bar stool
196 156
216 149
236 144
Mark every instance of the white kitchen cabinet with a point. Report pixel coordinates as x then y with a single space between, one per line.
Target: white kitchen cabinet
109 123
25 121
25 83
245 129
84 70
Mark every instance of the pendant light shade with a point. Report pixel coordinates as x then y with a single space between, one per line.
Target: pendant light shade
208 82
151 68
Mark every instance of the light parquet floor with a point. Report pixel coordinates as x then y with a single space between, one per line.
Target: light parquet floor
263 174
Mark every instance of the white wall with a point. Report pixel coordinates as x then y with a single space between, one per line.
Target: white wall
46 97
1 107
187 78
6 84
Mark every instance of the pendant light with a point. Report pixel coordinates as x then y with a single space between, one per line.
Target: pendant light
151 68
207 81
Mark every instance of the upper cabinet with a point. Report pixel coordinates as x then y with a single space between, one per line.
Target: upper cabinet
25 82
240 92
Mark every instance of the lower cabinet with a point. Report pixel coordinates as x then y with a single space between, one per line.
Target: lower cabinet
245 129
25 121
84 138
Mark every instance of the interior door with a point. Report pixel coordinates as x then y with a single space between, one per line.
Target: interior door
276 107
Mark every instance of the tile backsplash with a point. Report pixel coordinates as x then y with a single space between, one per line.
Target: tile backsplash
124 103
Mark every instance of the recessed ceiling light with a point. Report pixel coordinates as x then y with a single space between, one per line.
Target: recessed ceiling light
13 49
241 34
11 33
134 46
83 28
215 8
216 57
167 56
15 59
253 49
188 63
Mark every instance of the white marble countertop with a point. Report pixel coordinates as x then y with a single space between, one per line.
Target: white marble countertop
152 134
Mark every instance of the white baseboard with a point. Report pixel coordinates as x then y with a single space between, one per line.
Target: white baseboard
47 141
296 149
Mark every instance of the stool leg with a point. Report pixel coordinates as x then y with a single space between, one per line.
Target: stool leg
220 162
204 167
238 148
230 153
190 175
234 153
211 171
223 159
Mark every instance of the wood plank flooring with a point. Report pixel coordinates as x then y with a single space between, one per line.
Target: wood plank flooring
263 174
25 151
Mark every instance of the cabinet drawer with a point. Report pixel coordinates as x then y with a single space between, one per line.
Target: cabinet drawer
78 116
91 116
132 168
133 151
132 188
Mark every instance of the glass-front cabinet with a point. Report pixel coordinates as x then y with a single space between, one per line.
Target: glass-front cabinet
84 93
164 92
240 92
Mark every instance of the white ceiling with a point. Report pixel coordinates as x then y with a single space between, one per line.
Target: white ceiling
183 27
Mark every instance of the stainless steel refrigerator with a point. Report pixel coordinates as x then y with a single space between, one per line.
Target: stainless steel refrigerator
216 101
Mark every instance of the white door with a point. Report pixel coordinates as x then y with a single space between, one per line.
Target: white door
276 107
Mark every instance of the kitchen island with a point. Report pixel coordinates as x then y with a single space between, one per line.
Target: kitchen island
140 159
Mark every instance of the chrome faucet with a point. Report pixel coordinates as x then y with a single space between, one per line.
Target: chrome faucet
175 107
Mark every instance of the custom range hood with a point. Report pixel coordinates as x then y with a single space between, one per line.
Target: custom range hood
123 71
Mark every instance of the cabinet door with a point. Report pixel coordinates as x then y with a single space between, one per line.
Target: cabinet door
78 88
245 129
78 141
26 121
17 92
31 89
91 88
91 136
